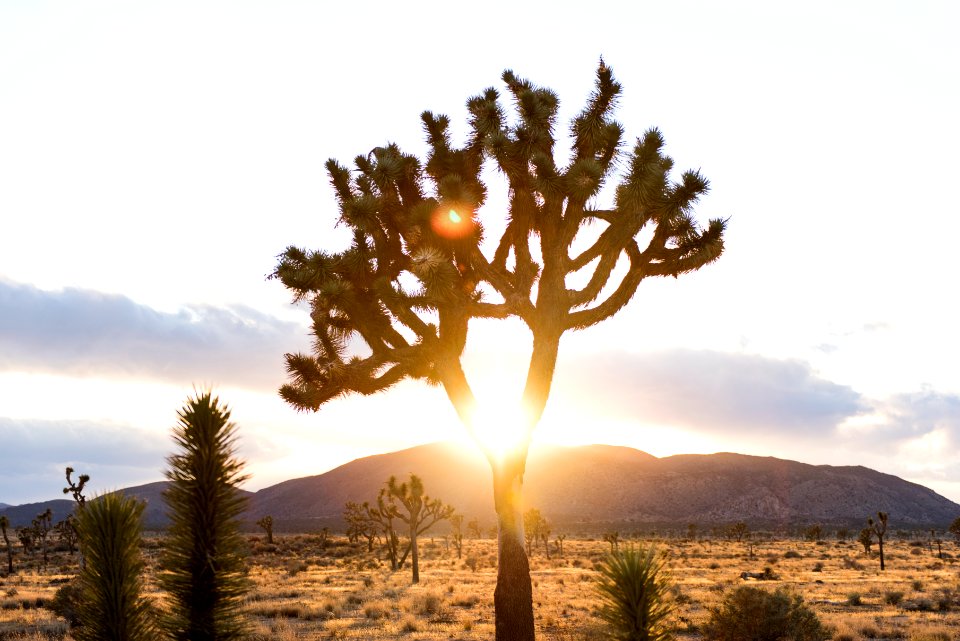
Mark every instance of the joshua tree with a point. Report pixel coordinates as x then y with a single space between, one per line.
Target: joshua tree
111 603
935 538
879 528
41 527
456 532
76 488
473 527
613 538
739 530
384 515
559 539
531 528
4 524
27 538
691 531
865 538
545 531
360 524
416 272
267 524
814 533
67 532
203 568
419 512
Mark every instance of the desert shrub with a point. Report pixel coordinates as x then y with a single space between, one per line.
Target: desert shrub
893 597
753 614
633 589
791 554
65 603
854 598
426 604
917 586
111 603
818 567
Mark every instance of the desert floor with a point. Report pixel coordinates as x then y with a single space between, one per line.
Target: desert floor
303 589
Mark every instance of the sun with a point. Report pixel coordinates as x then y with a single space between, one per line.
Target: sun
500 427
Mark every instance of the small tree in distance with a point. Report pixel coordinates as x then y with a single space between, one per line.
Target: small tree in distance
879 528
267 524
865 538
419 512
416 272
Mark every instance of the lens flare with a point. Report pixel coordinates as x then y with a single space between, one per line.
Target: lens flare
451 223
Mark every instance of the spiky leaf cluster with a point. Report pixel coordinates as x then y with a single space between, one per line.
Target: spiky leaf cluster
111 604
414 274
634 595
203 562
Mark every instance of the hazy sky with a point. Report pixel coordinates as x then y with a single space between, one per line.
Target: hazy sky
156 157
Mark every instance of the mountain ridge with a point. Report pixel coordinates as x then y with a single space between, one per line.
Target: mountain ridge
586 486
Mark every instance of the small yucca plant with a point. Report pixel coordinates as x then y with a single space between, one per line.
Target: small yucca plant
111 606
203 561
633 590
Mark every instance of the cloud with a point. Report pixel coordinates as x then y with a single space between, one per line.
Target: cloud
34 453
711 391
83 332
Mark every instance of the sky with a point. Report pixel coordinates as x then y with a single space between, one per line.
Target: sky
157 157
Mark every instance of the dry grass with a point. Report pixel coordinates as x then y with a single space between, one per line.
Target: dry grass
305 591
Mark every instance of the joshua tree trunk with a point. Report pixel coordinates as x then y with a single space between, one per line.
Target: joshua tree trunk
414 550
513 596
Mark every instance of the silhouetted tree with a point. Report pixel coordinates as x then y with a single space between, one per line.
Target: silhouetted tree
842 534
4 524
935 538
203 566
267 524
814 533
415 273
76 489
419 512
26 536
879 528
739 530
111 604
865 538
42 525
67 532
